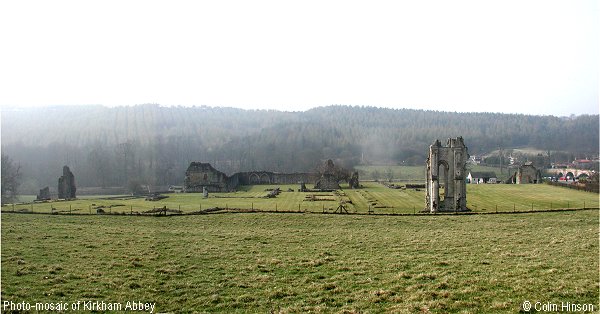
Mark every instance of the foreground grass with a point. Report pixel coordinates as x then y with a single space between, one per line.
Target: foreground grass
304 262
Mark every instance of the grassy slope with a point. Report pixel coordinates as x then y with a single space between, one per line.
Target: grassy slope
404 173
418 173
484 197
304 262
480 197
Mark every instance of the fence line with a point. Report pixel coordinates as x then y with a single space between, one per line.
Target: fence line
221 210
594 188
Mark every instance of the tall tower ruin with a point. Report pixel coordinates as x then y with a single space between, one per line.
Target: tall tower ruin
446 168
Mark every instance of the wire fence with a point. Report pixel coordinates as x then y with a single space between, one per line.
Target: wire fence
338 208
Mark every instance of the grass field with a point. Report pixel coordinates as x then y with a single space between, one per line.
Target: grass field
374 196
290 263
418 173
400 173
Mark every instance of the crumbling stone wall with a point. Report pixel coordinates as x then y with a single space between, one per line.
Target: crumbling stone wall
200 176
267 177
44 194
527 174
329 179
451 159
66 185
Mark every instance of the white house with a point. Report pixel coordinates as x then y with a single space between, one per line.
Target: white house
482 177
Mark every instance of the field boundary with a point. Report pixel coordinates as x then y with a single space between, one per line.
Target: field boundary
592 188
221 211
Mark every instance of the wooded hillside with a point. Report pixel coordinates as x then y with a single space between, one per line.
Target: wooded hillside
152 144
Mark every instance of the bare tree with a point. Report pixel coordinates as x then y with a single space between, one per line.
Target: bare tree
99 160
375 175
389 174
125 156
11 179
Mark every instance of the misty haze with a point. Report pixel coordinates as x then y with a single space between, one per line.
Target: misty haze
153 145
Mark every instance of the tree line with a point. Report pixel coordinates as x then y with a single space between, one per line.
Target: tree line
154 145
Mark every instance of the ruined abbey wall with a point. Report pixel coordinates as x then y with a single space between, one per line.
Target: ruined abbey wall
265 177
202 175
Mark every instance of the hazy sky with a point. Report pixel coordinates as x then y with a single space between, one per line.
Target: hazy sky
534 57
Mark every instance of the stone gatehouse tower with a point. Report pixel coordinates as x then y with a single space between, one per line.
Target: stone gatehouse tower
447 163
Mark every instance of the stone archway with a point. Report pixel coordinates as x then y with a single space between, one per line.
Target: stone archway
443 169
254 178
265 179
452 160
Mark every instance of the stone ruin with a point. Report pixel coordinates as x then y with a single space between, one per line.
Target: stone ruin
273 193
66 185
201 177
44 194
329 179
451 159
526 174
331 175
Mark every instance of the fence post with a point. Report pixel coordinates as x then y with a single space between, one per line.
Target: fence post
69 208
253 206
514 208
90 208
131 209
298 206
496 208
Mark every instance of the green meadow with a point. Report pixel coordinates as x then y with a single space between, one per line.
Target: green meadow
419 173
293 263
374 197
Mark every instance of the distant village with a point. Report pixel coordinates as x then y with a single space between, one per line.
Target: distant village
527 172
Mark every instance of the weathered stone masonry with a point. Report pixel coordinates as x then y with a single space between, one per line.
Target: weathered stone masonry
66 185
202 175
451 159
